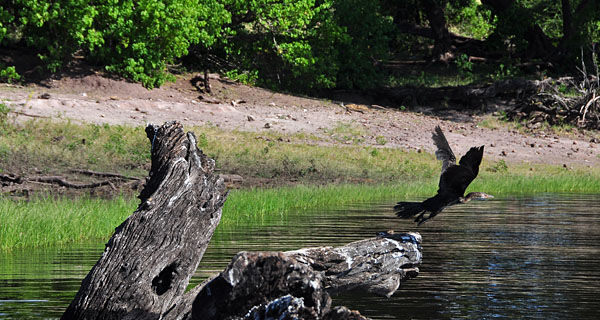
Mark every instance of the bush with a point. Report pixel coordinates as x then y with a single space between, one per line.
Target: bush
306 45
141 37
55 28
136 39
9 74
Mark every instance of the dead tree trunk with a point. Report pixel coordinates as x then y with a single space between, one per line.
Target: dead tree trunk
148 262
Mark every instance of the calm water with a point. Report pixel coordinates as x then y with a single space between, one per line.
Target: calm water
523 257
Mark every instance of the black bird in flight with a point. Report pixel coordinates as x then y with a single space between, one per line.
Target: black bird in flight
453 182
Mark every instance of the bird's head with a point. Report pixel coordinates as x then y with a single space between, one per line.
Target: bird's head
476 196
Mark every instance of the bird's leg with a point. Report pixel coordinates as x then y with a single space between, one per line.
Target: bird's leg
423 221
420 217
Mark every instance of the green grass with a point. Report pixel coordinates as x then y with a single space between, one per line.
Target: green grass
55 146
48 147
347 133
262 205
44 221
359 174
270 155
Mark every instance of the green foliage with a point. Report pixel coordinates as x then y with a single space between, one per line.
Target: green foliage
504 70
136 39
6 19
306 45
4 110
55 28
296 45
471 18
141 37
9 74
245 77
366 39
464 66
517 25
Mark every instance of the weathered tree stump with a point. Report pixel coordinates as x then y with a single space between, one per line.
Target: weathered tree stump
148 262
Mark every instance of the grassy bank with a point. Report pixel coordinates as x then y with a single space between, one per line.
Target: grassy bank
52 147
45 221
45 146
322 175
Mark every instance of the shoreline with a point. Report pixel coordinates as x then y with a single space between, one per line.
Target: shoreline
43 222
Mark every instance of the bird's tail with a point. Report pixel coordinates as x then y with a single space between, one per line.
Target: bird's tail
408 209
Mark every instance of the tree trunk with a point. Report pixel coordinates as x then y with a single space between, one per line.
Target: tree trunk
566 18
148 262
572 21
442 50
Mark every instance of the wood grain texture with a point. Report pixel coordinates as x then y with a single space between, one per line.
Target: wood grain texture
152 255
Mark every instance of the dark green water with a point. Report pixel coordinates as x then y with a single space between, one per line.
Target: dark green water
523 257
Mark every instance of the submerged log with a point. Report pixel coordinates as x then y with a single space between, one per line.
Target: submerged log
373 265
148 262
257 285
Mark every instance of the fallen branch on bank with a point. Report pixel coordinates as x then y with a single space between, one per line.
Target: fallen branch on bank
115 181
466 97
61 181
565 100
103 174
58 180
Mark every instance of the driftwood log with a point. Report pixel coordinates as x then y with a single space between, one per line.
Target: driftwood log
299 283
148 262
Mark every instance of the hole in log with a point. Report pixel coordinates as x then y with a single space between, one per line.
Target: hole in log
162 282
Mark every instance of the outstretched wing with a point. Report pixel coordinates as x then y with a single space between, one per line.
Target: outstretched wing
472 159
456 179
443 152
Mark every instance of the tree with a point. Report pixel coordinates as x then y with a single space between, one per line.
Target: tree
442 50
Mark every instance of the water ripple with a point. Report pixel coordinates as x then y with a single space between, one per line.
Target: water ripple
518 257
